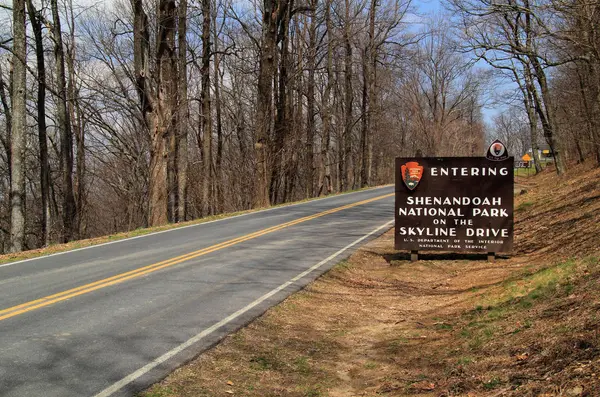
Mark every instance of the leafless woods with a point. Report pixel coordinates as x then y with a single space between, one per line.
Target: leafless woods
127 114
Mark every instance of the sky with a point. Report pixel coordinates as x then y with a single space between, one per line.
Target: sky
429 7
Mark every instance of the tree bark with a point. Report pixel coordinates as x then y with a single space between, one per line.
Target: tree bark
163 133
264 103
218 81
18 132
69 210
141 61
77 118
546 111
183 113
364 120
348 102
283 105
326 185
36 24
207 180
369 82
8 116
526 90
310 100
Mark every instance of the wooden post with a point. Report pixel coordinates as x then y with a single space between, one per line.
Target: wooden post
491 256
414 256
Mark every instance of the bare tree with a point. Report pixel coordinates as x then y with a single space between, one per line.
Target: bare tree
36 24
264 105
513 31
18 130
183 112
205 105
69 210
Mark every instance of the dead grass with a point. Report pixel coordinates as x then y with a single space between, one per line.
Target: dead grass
448 325
56 248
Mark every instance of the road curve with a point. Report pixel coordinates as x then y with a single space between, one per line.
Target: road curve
111 319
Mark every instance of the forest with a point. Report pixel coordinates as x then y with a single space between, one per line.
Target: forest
120 114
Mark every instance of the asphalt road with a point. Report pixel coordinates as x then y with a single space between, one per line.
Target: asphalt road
112 319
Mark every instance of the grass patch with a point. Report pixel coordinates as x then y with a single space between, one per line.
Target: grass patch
514 296
370 365
302 366
159 391
492 383
342 265
264 363
443 326
311 391
524 172
531 287
524 205
464 360
396 345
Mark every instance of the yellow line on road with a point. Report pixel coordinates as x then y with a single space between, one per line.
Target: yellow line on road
119 278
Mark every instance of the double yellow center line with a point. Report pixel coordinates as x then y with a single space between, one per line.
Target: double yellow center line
119 278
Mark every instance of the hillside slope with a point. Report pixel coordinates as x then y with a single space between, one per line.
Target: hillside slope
447 325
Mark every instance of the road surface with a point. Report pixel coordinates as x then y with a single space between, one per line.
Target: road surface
110 320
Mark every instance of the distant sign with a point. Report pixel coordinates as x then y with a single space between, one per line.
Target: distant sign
522 164
526 157
454 204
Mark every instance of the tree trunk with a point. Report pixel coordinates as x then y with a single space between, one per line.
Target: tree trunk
164 129
264 103
310 101
546 111
282 106
183 113
218 81
364 120
36 25
369 82
77 118
348 103
8 116
547 114
18 132
326 186
206 113
141 61
66 134
528 102
173 155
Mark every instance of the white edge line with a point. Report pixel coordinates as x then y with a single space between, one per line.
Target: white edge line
185 227
195 339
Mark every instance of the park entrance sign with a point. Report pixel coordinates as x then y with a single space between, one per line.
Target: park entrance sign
462 204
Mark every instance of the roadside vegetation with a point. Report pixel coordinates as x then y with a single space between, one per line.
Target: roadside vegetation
57 248
447 325
119 115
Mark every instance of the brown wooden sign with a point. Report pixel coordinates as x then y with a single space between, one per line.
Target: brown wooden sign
454 204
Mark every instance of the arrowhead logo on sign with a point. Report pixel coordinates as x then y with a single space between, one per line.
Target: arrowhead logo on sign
411 174
497 151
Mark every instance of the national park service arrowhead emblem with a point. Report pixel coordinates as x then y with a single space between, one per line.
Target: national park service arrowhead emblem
497 151
411 174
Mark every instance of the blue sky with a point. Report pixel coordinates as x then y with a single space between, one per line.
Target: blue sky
426 8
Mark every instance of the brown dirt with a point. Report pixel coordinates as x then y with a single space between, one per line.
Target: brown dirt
377 324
